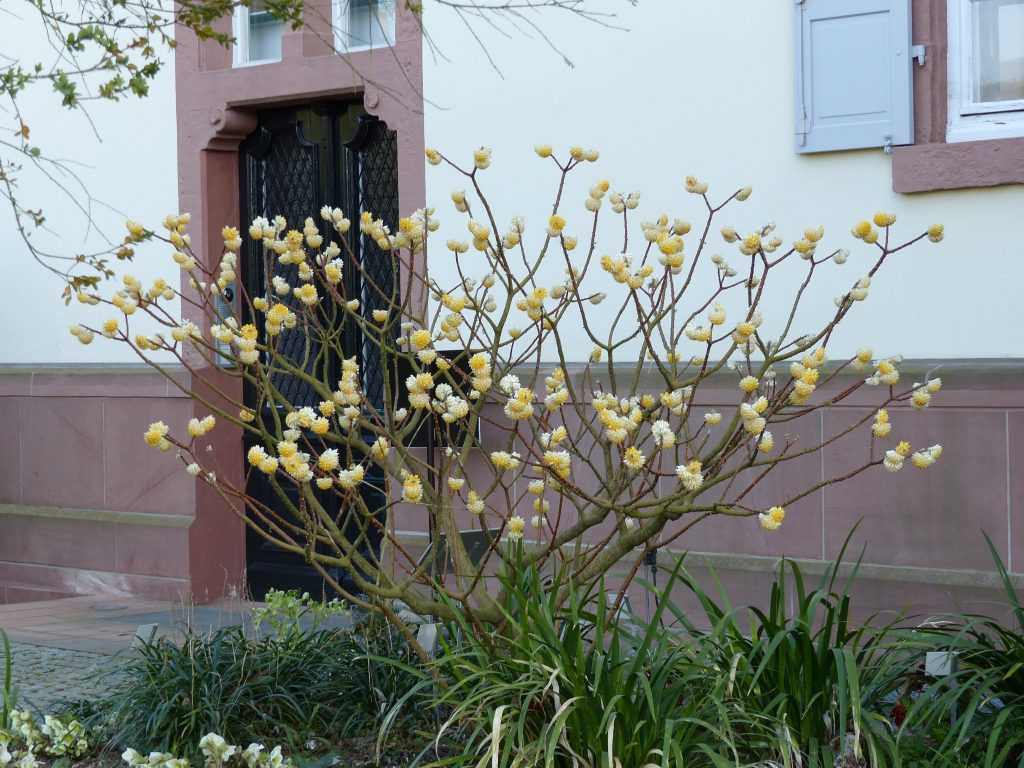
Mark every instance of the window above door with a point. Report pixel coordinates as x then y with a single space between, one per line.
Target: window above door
363 24
359 25
986 69
257 35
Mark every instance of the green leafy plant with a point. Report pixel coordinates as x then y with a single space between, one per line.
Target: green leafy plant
817 676
285 612
293 688
573 685
984 699
8 694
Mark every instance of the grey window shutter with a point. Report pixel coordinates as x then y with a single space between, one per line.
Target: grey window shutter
853 74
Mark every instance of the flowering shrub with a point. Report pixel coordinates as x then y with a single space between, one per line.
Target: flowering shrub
218 754
576 449
27 742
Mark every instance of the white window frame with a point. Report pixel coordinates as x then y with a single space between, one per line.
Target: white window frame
340 21
973 121
240 48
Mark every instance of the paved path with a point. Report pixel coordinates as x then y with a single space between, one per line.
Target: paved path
61 648
45 676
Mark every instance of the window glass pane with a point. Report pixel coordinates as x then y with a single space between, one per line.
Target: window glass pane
264 33
371 22
997 70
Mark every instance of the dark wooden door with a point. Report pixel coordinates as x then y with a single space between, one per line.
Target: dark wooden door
297 161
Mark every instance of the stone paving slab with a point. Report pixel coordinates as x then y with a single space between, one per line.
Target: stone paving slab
45 676
64 650
108 625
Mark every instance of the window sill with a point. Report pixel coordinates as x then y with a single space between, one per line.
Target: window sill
1009 125
257 63
961 165
341 49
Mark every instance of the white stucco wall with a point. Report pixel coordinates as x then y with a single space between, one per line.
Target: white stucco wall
705 88
124 155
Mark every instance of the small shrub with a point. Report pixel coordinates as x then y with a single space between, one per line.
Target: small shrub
984 699
573 686
819 679
319 685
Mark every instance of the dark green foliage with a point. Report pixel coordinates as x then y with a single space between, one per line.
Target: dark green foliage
983 702
321 686
561 684
808 668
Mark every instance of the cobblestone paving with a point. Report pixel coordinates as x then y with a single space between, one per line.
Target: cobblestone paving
45 676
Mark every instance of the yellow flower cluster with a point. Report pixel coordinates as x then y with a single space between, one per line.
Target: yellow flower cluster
805 375
885 373
620 418
347 394
482 158
519 406
772 519
259 458
596 194
863 230
474 503
516 527
691 475
745 330
695 186
676 400
555 226
750 413
412 487
336 218
200 427
807 245
307 418
504 461
378 231
882 427
419 386
156 436
922 395
893 460
481 380
350 478
294 461
862 359
558 462
84 335
533 303
925 458
579 154
619 270
279 316
557 394
633 458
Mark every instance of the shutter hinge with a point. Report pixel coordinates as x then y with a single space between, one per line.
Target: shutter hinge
887 147
918 52
801 132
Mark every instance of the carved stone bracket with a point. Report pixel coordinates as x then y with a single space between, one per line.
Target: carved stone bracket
229 128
